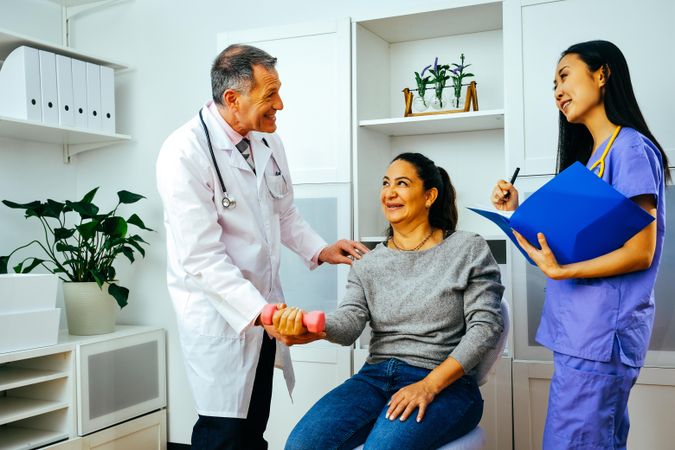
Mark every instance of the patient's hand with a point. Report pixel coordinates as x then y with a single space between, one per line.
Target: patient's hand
288 321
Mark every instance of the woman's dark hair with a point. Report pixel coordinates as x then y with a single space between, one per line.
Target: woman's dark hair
575 142
443 212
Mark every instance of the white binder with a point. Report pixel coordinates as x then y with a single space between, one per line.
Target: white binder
80 111
108 99
64 87
94 97
20 85
50 104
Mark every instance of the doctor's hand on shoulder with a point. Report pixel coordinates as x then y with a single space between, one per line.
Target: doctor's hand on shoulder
504 196
343 251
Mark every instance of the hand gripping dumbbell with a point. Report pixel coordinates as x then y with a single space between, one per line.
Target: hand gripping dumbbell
314 321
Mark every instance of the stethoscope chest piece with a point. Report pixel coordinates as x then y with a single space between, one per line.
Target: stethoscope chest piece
228 202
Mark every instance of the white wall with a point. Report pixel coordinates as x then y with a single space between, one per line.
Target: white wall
169 46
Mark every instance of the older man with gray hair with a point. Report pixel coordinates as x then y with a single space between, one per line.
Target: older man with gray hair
228 206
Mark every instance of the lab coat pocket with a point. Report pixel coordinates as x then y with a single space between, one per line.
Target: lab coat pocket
276 185
582 410
201 318
589 314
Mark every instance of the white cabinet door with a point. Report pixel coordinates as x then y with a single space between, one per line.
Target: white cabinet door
314 68
327 208
644 33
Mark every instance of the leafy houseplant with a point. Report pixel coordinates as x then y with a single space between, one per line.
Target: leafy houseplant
83 252
458 76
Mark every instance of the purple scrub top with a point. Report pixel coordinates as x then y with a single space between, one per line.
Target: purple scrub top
582 316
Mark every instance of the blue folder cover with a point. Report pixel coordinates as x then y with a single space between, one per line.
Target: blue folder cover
581 216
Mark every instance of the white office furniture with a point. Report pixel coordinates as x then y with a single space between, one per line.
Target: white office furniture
87 392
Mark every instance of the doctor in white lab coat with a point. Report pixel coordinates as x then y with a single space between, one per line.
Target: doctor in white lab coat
223 263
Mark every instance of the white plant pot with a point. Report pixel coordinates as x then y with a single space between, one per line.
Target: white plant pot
89 309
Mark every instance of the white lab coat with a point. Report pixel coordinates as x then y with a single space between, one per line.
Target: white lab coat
223 264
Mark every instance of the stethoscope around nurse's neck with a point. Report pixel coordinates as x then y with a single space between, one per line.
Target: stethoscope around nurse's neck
601 161
228 201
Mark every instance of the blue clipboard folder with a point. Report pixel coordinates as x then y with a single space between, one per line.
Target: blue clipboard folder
581 216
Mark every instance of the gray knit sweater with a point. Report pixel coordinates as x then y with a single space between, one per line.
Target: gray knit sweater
423 306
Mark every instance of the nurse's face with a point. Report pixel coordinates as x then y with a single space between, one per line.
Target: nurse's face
403 197
257 109
578 91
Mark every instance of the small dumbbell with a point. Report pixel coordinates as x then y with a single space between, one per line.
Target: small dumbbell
314 321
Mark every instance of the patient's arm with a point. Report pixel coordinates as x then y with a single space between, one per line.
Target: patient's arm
346 323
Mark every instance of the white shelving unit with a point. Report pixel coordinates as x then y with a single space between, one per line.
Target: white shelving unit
386 51
442 123
46 392
74 140
36 397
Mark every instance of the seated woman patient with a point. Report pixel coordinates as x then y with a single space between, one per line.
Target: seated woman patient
432 296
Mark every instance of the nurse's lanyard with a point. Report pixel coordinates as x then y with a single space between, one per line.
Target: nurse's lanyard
601 161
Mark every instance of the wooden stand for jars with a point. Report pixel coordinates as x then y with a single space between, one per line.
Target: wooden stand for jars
471 102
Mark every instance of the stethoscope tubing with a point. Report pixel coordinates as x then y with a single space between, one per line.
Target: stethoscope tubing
228 202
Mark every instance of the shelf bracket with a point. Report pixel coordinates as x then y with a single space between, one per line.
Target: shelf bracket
70 150
72 11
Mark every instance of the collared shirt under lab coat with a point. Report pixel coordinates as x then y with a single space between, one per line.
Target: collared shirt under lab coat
223 264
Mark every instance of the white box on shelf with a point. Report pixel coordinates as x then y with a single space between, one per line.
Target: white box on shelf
20 85
64 84
26 330
93 96
108 99
81 110
25 292
50 104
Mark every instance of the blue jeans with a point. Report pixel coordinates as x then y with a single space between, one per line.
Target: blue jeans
353 413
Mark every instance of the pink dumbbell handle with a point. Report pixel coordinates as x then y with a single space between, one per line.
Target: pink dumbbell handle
314 321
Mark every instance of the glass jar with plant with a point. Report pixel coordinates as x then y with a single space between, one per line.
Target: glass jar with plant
83 250
457 74
440 78
420 102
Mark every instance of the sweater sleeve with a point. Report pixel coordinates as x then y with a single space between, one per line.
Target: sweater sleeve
347 322
482 307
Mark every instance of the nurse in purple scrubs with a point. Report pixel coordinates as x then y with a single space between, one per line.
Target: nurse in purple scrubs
598 314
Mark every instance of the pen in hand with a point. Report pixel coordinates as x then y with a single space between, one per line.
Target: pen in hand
513 180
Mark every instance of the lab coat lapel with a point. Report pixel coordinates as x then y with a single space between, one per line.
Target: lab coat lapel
261 156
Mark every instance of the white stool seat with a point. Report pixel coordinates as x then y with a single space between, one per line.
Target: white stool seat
473 440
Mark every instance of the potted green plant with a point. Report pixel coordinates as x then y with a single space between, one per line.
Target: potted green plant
419 101
457 74
440 78
82 253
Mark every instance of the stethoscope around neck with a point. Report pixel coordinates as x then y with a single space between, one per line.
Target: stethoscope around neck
227 201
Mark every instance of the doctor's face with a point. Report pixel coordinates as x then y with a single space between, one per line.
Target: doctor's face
578 91
257 109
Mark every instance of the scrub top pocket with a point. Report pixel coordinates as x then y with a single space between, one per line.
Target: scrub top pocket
588 312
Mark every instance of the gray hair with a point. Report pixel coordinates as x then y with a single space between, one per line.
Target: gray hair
233 69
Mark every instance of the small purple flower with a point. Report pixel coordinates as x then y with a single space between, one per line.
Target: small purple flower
436 65
424 70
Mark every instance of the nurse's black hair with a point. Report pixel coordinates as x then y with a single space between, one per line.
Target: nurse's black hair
443 212
233 69
575 142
